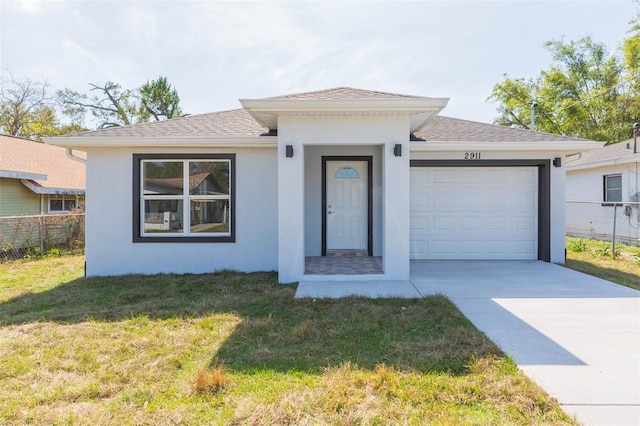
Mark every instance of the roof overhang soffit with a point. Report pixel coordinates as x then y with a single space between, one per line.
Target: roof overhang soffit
267 111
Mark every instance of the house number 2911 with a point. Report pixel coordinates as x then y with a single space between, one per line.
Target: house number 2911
471 155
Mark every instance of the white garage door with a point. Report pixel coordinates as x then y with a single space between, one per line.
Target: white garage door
475 213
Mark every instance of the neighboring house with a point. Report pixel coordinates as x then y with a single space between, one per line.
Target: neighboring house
36 178
308 175
609 178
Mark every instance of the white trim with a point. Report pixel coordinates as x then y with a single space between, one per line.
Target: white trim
21 175
51 191
266 111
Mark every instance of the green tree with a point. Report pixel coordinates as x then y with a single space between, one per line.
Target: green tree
587 92
159 100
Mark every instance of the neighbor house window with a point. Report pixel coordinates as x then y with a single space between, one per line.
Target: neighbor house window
181 198
62 203
613 188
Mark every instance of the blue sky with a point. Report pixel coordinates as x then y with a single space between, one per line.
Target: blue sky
216 52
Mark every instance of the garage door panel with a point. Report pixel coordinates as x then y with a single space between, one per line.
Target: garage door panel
474 213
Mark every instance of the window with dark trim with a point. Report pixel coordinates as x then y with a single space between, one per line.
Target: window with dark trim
183 198
612 188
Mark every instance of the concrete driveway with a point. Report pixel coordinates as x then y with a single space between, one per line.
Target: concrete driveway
577 336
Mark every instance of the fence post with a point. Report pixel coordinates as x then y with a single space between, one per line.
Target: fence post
41 234
615 215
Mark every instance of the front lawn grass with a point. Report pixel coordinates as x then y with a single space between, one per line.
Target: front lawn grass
231 348
595 258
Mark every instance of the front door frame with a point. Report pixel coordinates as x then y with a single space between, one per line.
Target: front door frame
369 160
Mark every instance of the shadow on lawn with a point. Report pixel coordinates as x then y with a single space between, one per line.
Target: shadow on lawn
277 332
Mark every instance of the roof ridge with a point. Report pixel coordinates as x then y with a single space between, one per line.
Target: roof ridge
344 88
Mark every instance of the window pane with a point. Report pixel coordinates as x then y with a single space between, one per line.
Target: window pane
347 173
613 188
614 195
55 205
614 182
163 178
210 216
163 216
209 177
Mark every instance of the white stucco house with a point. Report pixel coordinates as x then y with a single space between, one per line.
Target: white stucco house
289 180
601 184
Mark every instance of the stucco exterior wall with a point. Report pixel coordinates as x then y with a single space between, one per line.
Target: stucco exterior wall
109 228
302 132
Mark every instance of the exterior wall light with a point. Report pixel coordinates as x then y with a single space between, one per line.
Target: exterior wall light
397 150
289 151
557 162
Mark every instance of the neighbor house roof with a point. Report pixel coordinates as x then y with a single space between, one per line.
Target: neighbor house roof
621 152
44 169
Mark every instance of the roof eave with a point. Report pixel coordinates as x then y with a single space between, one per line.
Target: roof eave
80 142
8 174
605 163
561 147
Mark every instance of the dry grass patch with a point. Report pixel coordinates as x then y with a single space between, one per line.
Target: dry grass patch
494 392
211 380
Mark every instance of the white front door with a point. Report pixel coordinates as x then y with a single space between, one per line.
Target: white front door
346 205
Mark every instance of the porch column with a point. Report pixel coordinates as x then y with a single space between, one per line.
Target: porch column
290 211
396 189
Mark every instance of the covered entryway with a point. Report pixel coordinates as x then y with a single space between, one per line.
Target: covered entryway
490 212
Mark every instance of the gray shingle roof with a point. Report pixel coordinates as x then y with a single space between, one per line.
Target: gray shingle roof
616 151
447 129
239 123
233 123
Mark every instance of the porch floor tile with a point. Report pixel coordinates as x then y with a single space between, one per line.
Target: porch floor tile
343 265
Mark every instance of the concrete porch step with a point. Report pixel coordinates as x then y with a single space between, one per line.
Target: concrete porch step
372 289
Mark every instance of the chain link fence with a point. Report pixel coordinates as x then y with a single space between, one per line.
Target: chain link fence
615 222
22 236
